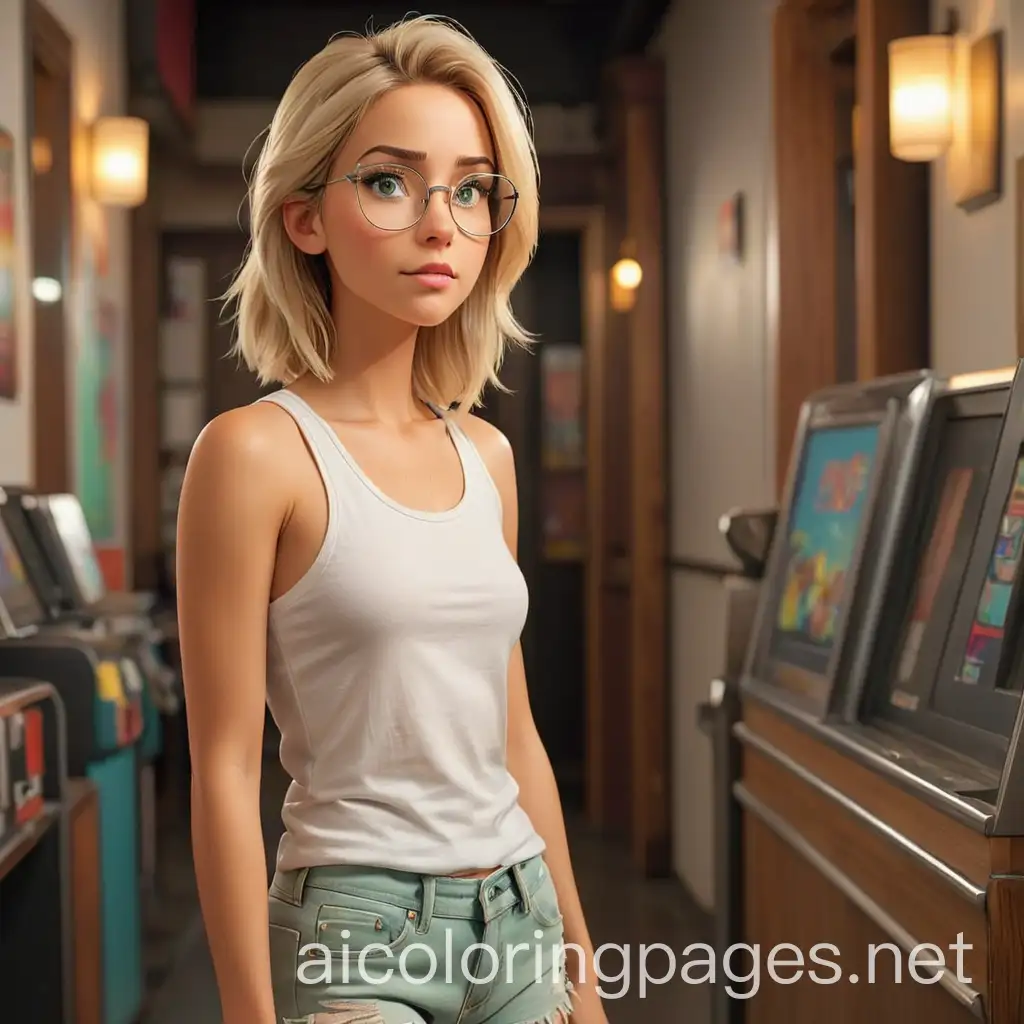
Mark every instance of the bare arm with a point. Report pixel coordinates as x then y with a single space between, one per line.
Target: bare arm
228 524
528 761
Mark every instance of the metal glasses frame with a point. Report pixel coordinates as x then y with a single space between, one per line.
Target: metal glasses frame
356 176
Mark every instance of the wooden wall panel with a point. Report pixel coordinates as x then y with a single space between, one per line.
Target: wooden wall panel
789 902
892 207
805 175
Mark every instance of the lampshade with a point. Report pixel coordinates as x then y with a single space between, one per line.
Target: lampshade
120 160
921 70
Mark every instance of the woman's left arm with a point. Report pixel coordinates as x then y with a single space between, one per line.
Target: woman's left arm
538 796
528 761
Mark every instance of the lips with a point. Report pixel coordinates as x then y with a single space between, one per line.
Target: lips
434 270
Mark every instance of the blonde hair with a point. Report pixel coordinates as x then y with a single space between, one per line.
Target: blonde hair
282 314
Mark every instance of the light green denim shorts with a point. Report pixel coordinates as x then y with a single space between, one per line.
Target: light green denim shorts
354 945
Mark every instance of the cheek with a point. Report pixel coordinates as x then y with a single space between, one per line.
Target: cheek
358 251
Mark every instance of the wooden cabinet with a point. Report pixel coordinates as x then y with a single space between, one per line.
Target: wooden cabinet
836 855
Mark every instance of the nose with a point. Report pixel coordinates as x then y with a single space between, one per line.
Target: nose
436 224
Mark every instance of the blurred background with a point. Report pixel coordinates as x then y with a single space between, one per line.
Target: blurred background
743 202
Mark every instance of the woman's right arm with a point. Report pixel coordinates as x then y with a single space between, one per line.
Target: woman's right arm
231 512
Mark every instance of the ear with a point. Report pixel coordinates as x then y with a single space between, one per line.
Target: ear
304 226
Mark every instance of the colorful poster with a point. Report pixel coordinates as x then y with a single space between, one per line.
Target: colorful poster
933 565
97 400
828 509
562 377
565 518
985 641
8 311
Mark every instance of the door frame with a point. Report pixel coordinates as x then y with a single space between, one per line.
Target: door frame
52 396
589 222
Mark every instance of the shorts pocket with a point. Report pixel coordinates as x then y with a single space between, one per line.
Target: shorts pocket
544 902
284 968
351 926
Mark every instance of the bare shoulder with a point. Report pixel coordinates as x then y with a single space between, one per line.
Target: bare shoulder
494 447
244 467
249 436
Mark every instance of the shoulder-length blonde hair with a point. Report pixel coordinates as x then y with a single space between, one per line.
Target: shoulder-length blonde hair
282 311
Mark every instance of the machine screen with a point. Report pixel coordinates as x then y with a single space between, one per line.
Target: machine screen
981 660
958 491
824 531
16 593
74 534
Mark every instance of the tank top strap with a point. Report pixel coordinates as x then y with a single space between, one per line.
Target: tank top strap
317 435
478 477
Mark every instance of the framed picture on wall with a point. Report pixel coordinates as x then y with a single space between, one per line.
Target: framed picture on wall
563 483
8 300
562 396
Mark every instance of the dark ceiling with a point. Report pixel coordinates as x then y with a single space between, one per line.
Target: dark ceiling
554 48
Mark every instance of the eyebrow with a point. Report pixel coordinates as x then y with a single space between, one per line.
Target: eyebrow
414 155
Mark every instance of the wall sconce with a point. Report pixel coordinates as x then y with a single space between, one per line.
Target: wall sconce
626 276
120 161
921 83
943 95
42 155
628 273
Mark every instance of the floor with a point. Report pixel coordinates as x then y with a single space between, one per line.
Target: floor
636 911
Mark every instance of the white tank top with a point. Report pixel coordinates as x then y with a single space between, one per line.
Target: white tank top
387 673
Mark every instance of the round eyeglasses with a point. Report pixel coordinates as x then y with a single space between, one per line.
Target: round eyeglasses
394 197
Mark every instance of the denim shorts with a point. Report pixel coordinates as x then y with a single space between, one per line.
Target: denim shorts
355 945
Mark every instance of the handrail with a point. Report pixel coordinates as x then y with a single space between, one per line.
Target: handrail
963 886
703 566
964 994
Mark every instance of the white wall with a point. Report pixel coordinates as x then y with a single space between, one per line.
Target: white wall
718 120
97 34
974 254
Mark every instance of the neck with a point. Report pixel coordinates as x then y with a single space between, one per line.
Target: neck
371 362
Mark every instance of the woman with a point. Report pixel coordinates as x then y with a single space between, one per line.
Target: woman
346 553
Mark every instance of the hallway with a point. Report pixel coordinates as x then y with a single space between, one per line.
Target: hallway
639 912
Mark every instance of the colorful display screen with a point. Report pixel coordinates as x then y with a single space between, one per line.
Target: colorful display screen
951 508
73 530
825 527
984 644
934 564
16 591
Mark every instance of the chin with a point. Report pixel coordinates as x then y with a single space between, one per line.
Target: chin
429 311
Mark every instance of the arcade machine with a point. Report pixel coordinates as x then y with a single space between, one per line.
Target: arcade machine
847 497
885 815
102 694
37 969
56 546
